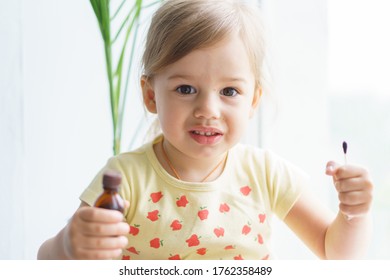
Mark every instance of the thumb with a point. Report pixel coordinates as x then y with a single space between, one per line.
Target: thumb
331 168
127 206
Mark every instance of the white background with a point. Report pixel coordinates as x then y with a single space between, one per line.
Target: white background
55 126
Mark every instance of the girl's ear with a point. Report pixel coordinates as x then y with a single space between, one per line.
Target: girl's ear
148 94
256 100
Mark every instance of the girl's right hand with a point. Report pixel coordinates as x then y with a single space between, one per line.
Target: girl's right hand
95 233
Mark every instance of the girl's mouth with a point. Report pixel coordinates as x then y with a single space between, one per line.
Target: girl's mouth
206 136
203 133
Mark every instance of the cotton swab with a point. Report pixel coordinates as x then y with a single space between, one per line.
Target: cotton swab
345 147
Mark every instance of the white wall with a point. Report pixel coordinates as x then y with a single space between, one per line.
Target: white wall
55 120
11 217
294 114
54 117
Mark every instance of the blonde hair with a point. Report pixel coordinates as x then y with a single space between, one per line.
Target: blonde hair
181 26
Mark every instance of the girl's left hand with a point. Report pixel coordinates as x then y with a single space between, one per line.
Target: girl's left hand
354 187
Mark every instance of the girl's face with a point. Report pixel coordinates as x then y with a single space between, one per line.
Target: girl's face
204 100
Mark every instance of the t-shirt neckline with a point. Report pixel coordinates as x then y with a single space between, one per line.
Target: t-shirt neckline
193 186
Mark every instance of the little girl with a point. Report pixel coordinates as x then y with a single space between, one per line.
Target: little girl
194 192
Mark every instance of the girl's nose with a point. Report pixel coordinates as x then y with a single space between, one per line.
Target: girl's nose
207 106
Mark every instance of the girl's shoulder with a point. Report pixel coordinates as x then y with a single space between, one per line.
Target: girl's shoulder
135 158
262 160
254 153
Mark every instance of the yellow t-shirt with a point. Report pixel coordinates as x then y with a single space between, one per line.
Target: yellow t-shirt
228 218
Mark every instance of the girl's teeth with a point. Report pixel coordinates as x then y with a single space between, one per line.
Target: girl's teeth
204 133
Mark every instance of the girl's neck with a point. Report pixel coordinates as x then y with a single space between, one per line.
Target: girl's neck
187 168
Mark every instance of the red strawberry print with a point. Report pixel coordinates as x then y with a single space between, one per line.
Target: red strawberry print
238 257
153 215
182 201
230 247
125 258
245 190
193 241
246 229
156 243
262 218
176 225
133 250
201 251
260 239
156 196
174 257
219 232
134 230
223 208
203 213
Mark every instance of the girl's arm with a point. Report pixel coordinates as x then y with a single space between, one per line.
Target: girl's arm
345 236
53 249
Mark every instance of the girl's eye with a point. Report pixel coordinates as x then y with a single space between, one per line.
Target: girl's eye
229 91
186 89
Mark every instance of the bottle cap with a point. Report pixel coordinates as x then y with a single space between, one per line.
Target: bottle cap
112 180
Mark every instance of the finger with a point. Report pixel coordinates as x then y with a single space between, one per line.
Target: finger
105 229
94 214
349 171
105 243
92 254
77 242
331 167
353 184
354 198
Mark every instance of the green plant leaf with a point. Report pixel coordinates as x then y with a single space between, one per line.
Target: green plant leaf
116 77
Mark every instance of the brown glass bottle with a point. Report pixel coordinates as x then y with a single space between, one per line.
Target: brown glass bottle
110 198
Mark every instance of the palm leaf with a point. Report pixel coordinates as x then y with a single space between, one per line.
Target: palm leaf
130 23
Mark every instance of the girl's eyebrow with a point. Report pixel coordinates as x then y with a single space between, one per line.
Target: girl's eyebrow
179 76
235 79
187 76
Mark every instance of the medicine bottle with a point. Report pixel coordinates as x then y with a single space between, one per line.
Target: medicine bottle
110 198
